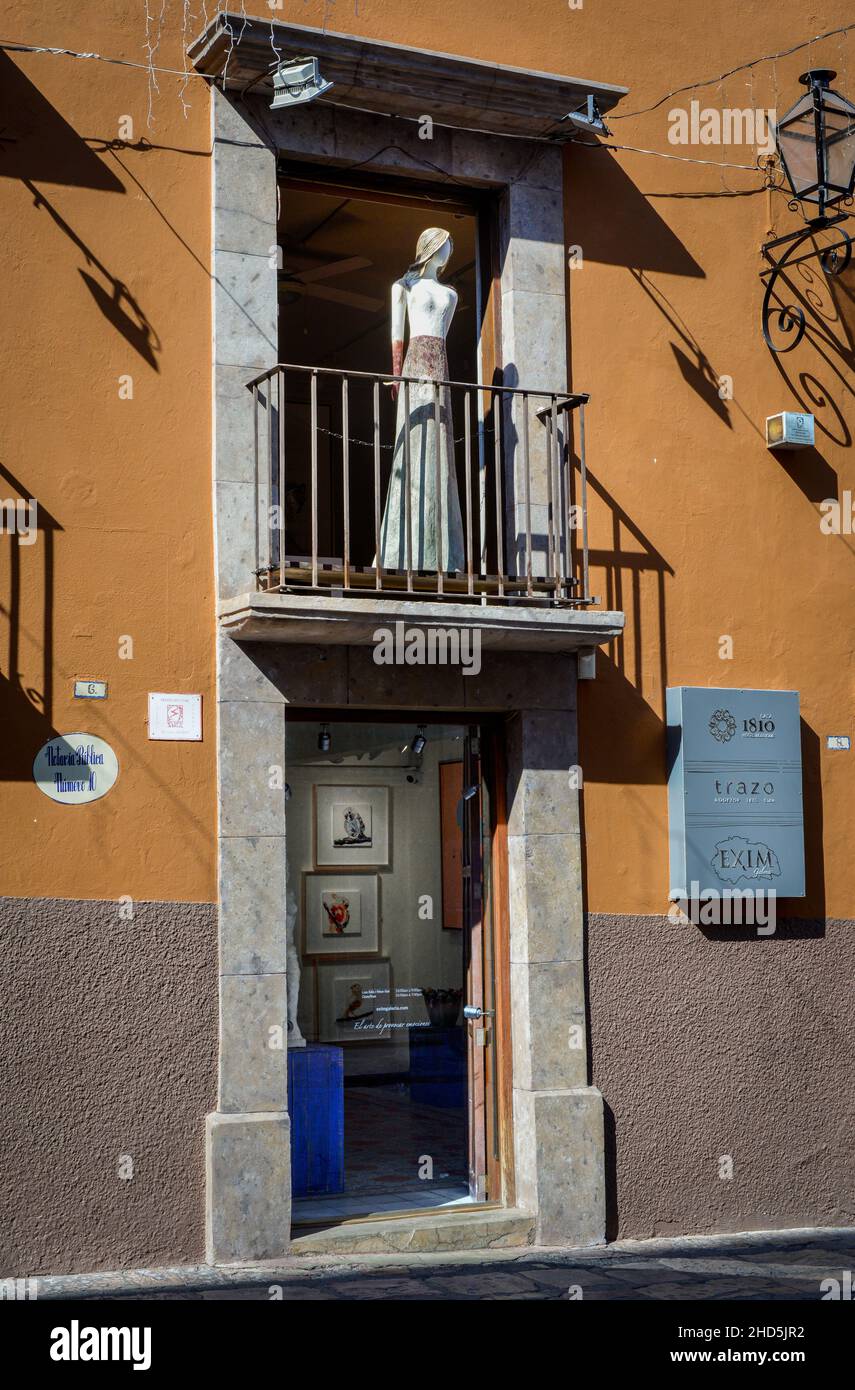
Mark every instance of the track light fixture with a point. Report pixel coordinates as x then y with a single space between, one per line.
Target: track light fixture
324 739
587 117
297 82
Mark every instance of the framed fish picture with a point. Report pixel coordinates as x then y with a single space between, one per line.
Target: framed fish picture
351 827
340 914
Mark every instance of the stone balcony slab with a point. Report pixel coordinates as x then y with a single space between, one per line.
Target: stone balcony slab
353 621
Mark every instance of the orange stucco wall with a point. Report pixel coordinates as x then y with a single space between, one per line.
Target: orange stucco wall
698 531
105 258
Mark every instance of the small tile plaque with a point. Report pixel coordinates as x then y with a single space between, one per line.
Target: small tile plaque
90 690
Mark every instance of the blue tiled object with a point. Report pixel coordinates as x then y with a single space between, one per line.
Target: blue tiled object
438 1067
316 1107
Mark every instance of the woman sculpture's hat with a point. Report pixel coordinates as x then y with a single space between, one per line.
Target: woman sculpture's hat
428 244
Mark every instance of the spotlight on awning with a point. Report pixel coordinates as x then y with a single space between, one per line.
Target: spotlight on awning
297 82
587 117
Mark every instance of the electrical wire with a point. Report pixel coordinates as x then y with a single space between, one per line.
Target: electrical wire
9 47
531 139
443 125
14 47
741 67
661 154
544 138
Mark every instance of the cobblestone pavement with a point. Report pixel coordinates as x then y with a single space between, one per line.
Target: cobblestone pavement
785 1266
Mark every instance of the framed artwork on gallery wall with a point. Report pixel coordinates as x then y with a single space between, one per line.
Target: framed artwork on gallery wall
451 842
341 914
351 827
353 998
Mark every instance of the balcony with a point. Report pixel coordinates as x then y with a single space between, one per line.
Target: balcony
323 444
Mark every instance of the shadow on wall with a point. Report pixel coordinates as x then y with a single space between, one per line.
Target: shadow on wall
649 1003
27 710
629 576
615 224
627 746
824 389
39 146
827 303
636 237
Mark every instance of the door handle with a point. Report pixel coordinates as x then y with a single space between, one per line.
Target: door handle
474 1011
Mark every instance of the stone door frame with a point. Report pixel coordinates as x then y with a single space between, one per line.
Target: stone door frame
558 1116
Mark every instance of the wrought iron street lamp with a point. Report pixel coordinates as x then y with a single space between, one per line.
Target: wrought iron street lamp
816 142
816 145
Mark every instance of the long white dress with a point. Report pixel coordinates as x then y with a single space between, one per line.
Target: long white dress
436 533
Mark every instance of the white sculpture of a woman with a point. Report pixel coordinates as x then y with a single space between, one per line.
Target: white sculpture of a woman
429 306
292 961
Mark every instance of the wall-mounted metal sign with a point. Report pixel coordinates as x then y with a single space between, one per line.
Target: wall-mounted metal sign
74 769
735 792
789 430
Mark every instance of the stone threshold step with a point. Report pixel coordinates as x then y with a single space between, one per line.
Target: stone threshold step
454 1229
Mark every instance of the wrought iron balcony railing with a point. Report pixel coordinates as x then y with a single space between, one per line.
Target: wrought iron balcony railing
323 445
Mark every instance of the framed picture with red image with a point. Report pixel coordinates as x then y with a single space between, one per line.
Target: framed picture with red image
341 914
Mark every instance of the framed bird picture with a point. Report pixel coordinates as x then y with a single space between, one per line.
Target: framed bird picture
353 1001
341 914
351 827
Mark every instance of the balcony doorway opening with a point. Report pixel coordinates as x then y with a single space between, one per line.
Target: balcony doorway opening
393 1098
330 434
341 251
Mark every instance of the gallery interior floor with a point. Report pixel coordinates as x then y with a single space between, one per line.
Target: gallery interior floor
388 1137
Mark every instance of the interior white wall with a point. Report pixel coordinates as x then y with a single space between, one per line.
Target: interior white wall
422 954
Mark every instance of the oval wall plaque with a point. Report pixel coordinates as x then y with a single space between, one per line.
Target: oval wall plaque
75 768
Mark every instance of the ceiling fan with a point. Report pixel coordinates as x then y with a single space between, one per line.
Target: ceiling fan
307 282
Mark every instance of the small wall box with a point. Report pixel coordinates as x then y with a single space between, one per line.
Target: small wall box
789 430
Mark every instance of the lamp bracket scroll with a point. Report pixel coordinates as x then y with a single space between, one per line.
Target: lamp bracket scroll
788 319
815 142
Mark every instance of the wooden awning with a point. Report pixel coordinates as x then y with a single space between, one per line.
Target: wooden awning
395 79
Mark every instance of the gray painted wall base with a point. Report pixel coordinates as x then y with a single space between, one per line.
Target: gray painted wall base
108 1063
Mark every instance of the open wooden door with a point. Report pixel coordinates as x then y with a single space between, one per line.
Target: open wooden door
480 1008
